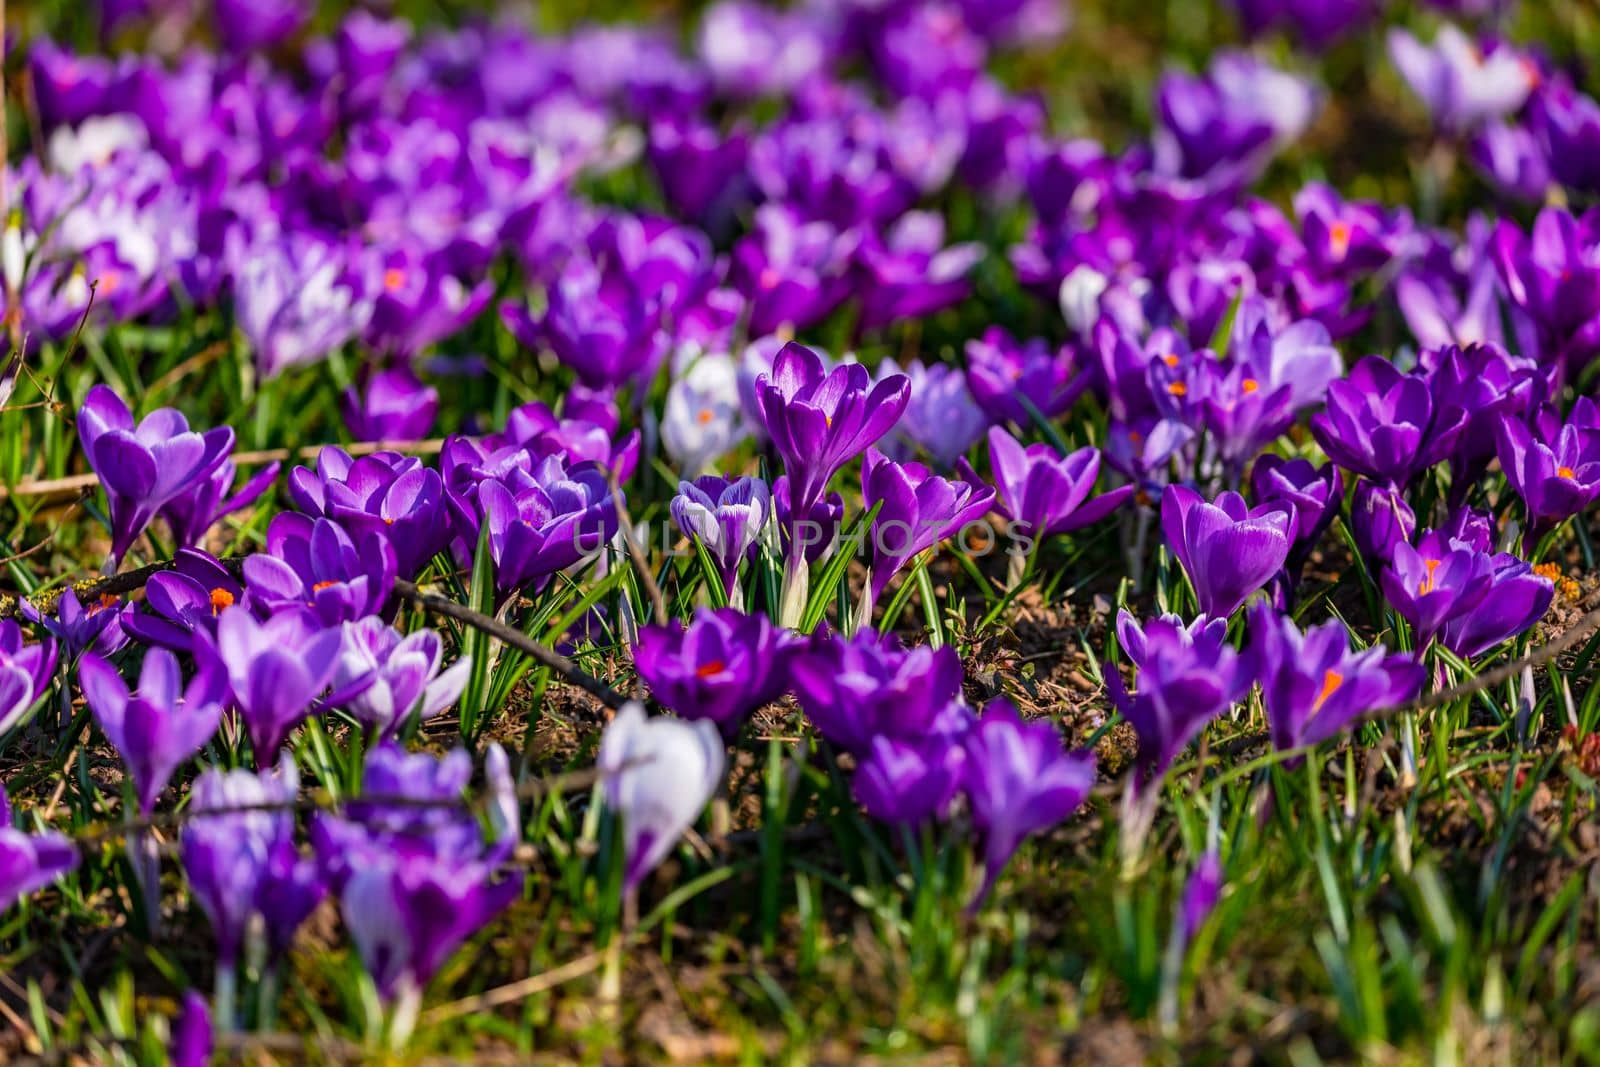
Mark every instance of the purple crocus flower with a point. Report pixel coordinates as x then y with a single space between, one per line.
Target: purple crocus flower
1554 466
296 300
727 515
999 371
383 493
1513 160
1383 423
1223 127
909 272
1044 493
854 689
906 782
1436 581
1567 122
192 1040
659 773
276 670
1185 677
250 25
1227 549
1200 895
314 563
393 405
29 862
1315 687
420 302
397 676
721 667
1485 382
1019 781
158 728
1518 597
192 513
941 417
919 509
146 465
1312 493
793 271
1462 84
819 420
1553 275
546 520
816 532
1380 518
79 628
25 672
701 170
183 601
240 858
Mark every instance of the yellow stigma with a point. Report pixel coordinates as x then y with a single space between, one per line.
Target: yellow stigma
393 279
1331 681
320 586
220 598
1249 385
1178 389
705 415
707 670
1170 359
1564 472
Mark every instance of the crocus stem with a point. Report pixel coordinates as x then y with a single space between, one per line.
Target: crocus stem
144 856
1171 977
267 999
224 997
863 612
403 1016
796 588
1138 814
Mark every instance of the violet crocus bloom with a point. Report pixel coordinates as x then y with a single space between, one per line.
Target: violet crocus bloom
701 170
1554 466
1200 895
192 1040
819 420
146 465
402 675
1553 275
296 301
158 728
919 509
79 628
1185 677
314 563
941 418
999 371
703 421
1044 493
183 601
727 515
909 272
869 685
721 667
1518 597
1019 781
1461 83
1227 549
1315 687
1223 126
1512 159
1487 383
1312 493
1383 423
548 520
192 513
1436 581
276 671
241 861
249 25
793 271
1567 122
658 773
393 405
25 672
906 782
1380 518
384 493
29 862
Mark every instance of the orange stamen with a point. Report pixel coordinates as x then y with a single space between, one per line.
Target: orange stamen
1426 585
220 598
711 669
1331 681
